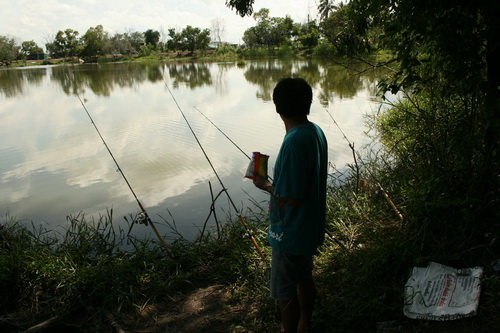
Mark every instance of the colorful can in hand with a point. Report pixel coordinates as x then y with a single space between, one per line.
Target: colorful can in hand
258 165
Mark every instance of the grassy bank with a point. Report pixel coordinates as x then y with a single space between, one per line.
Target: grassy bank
80 279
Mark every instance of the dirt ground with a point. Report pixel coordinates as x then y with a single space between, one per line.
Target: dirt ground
206 309
211 309
202 310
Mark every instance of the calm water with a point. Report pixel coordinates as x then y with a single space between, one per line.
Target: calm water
53 163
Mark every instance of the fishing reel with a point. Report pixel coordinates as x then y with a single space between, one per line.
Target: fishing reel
142 218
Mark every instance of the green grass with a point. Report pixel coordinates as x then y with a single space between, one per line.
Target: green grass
83 274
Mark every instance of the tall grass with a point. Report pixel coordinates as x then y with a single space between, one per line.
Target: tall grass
85 269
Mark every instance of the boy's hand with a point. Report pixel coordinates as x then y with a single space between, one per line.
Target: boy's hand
263 183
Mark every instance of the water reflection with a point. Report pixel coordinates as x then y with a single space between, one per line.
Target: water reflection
332 80
53 163
192 75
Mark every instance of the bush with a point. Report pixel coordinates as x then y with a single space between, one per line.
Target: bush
437 158
324 49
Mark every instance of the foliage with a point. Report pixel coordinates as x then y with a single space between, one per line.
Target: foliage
308 36
194 38
190 38
269 31
427 35
326 8
437 154
242 7
126 43
65 44
449 64
152 37
226 51
146 50
324 50
8 48
30 50
95 42
340 31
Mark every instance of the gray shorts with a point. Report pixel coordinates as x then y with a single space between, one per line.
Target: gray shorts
287 270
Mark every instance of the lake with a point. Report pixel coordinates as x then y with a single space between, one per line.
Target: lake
54 164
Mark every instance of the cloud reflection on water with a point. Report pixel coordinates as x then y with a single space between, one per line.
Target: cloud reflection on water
54 164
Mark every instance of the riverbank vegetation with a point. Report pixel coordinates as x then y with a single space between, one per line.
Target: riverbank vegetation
329 36
438 161
91 276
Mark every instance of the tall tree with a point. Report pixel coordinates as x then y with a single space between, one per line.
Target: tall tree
65 44
152 37
218 30
96 42
269 31
325 8
174 43
8 48
194 38
308 35
30 50
341 31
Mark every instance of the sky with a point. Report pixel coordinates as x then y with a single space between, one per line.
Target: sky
39 21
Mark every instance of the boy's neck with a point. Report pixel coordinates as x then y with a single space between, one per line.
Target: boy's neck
291 123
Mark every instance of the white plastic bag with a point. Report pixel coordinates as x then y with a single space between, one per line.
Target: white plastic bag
439 292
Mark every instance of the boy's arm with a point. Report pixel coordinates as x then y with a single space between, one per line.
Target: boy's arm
264 184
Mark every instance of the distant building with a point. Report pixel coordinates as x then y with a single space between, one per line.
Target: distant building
36 56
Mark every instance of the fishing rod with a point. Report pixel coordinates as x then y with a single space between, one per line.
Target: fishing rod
144 218
332 236
240 217
211 122
227 137
355 152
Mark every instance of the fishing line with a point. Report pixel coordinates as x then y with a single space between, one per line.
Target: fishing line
223 133
240 217
144 218
326 230
355 152
241 150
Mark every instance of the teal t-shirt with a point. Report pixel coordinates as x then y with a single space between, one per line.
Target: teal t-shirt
300 172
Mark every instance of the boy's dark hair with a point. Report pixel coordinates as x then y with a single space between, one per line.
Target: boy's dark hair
292 97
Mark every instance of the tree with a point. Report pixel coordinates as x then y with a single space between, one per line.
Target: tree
8 49
65 44
30 50
242 7
448 54
308 35
163 38
455 41
96 42
189 38
195 39
340 31
174 43
218 31
152 37
119 44
458 36
269 31
325 8
136 39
